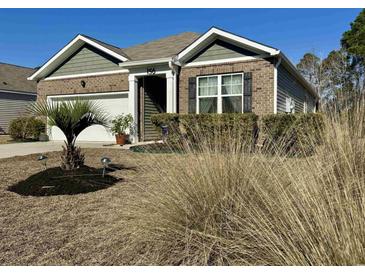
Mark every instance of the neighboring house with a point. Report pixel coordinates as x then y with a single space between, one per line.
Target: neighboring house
186 73
16 92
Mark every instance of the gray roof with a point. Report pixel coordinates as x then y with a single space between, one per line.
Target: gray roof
14 78
165 47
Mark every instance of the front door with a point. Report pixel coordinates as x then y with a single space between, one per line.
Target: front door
152 100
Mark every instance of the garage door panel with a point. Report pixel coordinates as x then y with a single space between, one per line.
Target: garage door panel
113 104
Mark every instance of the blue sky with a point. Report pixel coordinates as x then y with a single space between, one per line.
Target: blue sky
29 37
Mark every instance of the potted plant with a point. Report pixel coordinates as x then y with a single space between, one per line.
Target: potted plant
120 124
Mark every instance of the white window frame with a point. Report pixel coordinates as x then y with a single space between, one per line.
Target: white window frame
219 95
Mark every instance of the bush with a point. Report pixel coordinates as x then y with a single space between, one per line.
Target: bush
25 128
293 134
213 129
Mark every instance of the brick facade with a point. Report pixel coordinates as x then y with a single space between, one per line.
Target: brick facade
262 82
101 83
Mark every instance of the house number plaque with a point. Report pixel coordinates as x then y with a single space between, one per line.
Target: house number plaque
151 71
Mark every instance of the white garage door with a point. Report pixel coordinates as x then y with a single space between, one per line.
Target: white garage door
113 104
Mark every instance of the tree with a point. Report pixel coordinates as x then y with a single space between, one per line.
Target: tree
353 41
310 66
72 117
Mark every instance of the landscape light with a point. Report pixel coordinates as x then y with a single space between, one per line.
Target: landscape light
43 159
105 162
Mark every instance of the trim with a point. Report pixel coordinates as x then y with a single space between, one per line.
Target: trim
219 95
215 32
77 42
222 61
87 74
276 85
19 92
86 94
145 62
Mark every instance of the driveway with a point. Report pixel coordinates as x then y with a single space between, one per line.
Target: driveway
20 149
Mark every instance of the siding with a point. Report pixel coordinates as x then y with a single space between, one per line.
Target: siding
86 60
12 105
220 50
289 86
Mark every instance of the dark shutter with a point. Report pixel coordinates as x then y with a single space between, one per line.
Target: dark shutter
247 92
192 94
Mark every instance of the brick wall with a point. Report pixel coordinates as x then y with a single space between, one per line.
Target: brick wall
103 83
262 82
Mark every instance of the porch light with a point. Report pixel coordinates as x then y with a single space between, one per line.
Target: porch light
105 161
83 83
43 159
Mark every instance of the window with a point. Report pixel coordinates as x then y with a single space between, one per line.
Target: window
220 93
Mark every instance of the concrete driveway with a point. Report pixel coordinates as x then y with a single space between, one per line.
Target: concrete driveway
20 149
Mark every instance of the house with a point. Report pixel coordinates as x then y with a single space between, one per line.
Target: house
16 92
215 72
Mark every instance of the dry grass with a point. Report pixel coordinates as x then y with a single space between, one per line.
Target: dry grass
206 208
215 208
5 139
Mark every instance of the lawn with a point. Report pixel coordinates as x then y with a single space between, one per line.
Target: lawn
82 229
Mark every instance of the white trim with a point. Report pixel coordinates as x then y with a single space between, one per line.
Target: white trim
145 62
76 43
19 92
86 94
276 85
222 61
219 95
87 74
213 33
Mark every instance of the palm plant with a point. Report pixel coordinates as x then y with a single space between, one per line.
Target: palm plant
71 117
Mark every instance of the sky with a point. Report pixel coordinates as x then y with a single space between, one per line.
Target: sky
29 37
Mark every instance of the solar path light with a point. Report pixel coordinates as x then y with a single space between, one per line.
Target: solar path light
43 159
105 161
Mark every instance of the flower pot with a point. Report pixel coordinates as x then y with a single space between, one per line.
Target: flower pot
121 138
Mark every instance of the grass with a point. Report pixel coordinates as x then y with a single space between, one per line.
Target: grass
5 139
209 208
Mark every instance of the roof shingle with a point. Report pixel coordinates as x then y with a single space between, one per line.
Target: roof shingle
14 78
165 47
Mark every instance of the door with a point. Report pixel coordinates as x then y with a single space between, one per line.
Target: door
152 101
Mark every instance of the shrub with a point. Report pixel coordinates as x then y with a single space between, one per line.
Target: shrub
25 128
292 134
213 129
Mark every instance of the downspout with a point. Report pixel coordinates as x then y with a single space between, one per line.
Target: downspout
276 84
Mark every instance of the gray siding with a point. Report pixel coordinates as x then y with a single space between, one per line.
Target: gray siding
87 60
12 105
289 86
220 50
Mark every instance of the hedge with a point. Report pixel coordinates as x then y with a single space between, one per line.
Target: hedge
211 129
292 134
26 128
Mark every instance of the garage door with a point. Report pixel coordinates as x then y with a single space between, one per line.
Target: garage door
113 104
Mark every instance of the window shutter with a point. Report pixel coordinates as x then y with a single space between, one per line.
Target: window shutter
247 92
192 94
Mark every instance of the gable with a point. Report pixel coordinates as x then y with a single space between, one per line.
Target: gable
220 50
87 59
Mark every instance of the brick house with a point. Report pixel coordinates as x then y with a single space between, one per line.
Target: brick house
214 72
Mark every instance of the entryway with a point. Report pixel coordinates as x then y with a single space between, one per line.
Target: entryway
151 100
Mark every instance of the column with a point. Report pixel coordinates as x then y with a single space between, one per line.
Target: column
133 106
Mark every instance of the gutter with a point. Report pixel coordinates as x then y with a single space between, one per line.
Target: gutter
276 84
